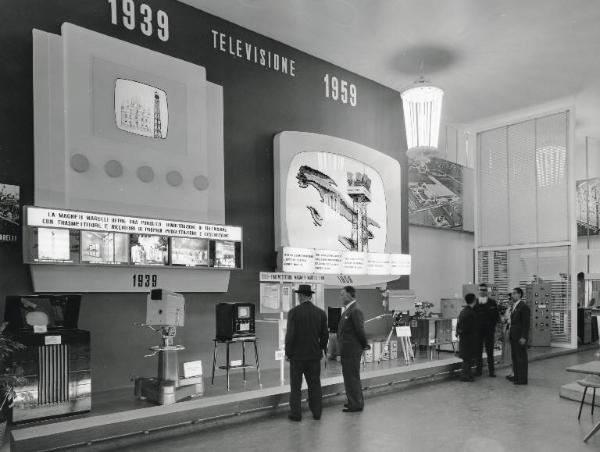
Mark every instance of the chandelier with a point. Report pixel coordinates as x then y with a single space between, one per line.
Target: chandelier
422 104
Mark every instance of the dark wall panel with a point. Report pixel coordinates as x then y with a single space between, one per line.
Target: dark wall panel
258 103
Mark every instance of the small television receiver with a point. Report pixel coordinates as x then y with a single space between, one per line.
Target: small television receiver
235 320
149 249
23 312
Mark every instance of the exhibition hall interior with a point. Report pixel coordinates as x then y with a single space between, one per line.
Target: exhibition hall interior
183 181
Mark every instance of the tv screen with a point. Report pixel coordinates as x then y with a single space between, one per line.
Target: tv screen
243 312
104 247
53 311
55 245
149 249
225 254
189 252
141 109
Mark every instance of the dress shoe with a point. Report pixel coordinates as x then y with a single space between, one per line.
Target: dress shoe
520 382
510 378
294 418
351 410
492 374
316 418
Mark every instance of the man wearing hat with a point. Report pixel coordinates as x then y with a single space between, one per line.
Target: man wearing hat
305 344
352 341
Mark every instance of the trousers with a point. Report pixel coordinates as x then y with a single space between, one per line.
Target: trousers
352 383
487 339
311 369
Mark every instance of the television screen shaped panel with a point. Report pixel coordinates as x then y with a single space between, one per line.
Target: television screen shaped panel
99 162
334 194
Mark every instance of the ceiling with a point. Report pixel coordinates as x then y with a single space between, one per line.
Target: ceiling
490 56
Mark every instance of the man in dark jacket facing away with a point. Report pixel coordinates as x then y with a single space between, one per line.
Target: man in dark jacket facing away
466 329
305 344
488 316
352 341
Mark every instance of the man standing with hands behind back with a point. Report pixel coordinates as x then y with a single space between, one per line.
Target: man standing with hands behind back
519 332
352 341
305 344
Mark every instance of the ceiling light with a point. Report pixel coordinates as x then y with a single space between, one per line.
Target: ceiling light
422 104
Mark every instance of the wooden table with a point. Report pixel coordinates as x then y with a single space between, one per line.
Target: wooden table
590 368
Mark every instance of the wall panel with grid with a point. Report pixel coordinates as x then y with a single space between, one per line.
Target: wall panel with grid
492 185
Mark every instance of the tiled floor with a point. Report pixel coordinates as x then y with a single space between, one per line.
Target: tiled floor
490 415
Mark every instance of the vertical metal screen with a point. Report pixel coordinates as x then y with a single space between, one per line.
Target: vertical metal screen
522 172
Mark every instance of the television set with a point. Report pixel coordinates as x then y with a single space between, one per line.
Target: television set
189 252
149 249
234 320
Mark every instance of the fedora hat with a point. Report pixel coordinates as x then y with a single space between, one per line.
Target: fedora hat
304 289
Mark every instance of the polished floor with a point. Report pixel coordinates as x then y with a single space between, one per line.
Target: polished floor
490 415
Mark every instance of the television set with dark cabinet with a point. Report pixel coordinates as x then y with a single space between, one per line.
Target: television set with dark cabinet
55 362
235 320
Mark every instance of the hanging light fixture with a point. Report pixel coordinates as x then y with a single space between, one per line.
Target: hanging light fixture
422 104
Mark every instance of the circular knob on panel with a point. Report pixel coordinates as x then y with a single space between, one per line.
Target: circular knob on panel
145 174
79 163
174 178
201 182
113 168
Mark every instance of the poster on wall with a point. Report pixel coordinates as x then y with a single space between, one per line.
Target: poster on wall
10 213
435 194
588 213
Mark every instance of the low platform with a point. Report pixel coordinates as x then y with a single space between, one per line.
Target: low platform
117 422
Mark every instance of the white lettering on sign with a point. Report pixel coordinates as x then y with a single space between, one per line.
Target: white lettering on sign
340 90
252 53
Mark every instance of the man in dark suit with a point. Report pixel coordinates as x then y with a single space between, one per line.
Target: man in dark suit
488 316
519 333
352 341
466 329
305 344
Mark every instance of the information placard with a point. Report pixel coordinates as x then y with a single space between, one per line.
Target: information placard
354 263
298 260
328 262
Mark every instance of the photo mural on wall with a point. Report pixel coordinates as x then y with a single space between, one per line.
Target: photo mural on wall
10 212
337 201
588 203
435 193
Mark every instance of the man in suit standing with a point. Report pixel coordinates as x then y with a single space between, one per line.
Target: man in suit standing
305 344
352 341
519 333
487 317
466 329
